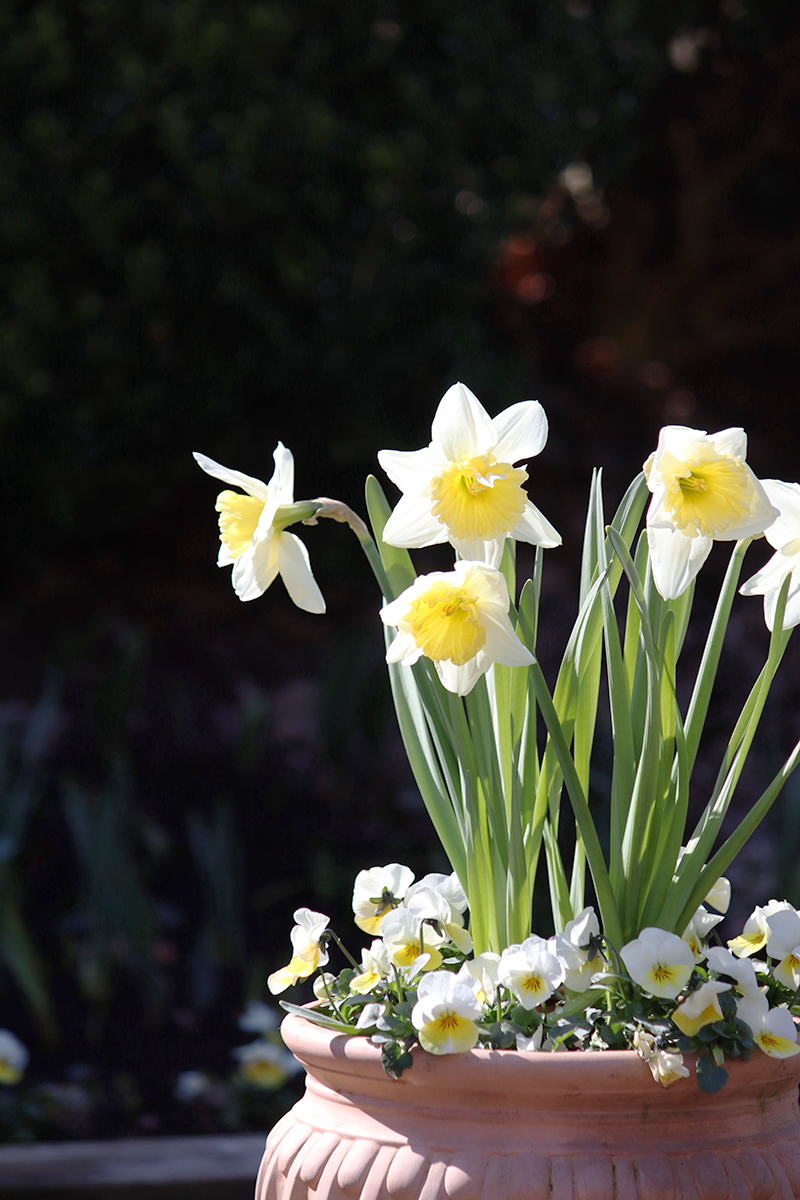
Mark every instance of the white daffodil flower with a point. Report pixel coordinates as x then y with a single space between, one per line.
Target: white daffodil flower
660 962
406 937
249 539
531 971
309 953
458 619
374 968
755 934
13 1058
445 1014
483 968
665 1065
703 491
784 536
259 1018
463 488
696 932
773 1029
262 1064
572 949
784 944
741 970
701 1007
378 891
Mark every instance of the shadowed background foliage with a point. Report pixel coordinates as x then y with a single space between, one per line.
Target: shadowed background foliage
224 224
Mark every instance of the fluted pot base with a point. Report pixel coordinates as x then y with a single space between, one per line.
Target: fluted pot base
501 1125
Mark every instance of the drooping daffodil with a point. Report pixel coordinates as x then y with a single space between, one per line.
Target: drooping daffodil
377 891
458 619
784 536
309 950
660 962
773 1029
13 1058
666 1066
703 491
253 539
446 1013
463 488
531 971
755 934
701 1007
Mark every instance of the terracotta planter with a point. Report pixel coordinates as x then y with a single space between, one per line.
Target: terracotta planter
498 1125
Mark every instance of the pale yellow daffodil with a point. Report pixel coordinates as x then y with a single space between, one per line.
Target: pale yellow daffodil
252 538
784 536
463 488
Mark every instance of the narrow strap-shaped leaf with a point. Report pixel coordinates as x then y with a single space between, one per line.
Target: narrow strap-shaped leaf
398 567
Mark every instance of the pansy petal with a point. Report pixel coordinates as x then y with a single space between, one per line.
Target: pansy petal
253 487
462 426
534 528
521 431
295 569
413 524
675 559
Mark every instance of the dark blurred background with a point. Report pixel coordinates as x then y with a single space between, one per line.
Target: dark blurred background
225 224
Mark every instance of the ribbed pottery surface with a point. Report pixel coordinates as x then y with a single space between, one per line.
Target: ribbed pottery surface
498 1125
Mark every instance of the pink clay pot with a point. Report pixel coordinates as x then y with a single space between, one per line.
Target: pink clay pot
501 1125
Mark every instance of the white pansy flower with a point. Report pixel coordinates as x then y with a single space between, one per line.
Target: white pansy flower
371 1014
446 885
309 953
572 948
431 905
741 970
784 944
696 932
701 1007
259 1018
703 491
377 891
773 1029
323 986
463 488
458 619
406 937
191 1086
719 896
531 971
264 1065
13 1058
374 968
250 540
666 1066
483 968
660 962
528 1045
445 1014
756 930
784 536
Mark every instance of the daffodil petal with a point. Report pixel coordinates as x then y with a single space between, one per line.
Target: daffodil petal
295 570
404 649
461 680
502 645
406 468
521 431
675 559
462 425
786 498
534 528
253 487
254 570
412 524
281 486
